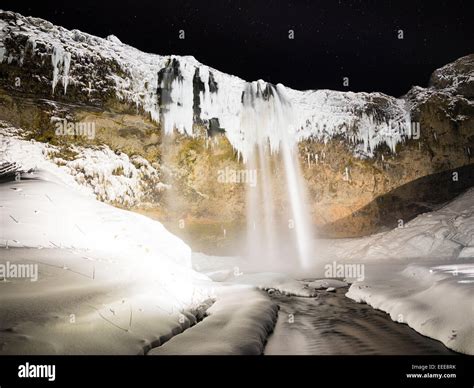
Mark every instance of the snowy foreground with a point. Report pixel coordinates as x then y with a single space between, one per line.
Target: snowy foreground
83 277
436 299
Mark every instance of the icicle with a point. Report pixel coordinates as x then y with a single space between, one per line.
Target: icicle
61 60
56 60
346 175
66 66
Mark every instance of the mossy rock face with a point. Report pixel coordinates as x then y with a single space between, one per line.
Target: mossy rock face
192 167
66 153
345 191
132 134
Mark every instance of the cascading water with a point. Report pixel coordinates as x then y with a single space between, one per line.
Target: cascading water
264 124
279 232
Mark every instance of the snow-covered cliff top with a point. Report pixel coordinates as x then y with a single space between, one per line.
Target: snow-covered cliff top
178 91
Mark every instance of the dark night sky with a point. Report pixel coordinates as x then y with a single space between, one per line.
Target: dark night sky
249 38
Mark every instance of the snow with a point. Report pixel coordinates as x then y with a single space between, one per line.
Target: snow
112 282
109 281
237 327
422 274
466 252
327 284
88 225
271 281
229 270
114 39
435 299
366 120
98 171
450 78
61 61
133 272
128 283
442 234
325 114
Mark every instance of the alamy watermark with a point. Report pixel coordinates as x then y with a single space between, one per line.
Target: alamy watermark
245 176
346 271
392 128
18 271
82 128
32 371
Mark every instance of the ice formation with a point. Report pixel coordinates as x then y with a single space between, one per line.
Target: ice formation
179 92
61 61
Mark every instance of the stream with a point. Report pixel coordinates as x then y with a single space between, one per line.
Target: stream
332 324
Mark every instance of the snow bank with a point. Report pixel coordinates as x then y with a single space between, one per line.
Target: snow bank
422 274
237 270
89 304
270 281
327 284
45 213
443 234
109 281
240 321
436 299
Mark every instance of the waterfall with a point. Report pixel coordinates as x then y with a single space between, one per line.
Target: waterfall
278 231
264 123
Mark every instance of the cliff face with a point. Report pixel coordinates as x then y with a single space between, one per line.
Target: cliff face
389 188
354 148
180 92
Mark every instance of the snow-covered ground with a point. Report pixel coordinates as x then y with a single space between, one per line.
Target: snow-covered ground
112 281
435 298
421 274
447 233
239 270
82 277
239 322
106 280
